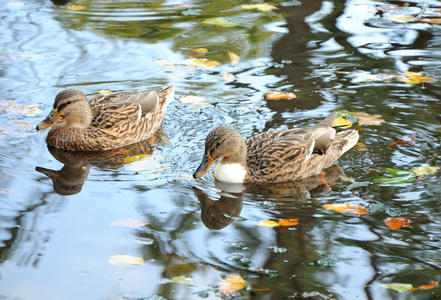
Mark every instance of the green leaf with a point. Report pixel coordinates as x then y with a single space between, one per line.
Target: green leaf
399 287
219 22
395 176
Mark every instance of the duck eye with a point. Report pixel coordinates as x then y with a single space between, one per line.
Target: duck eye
69 102
218 144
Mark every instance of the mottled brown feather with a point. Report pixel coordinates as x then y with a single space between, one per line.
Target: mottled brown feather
118 119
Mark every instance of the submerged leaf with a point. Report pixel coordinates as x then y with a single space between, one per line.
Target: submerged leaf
193 99
164 63
132 223
125 260
401 18
279 95
183 279
198 52
346 207
219 22
403 141
23 124
232 284
10 107
367 119
414 78
268 223
430 20
261 7
397 223
399 287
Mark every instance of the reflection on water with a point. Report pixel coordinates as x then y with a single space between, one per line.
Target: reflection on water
57 247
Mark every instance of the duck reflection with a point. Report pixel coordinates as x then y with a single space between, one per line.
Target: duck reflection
70 179
218 214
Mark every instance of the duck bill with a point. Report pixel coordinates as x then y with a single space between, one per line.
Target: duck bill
50 120
206 163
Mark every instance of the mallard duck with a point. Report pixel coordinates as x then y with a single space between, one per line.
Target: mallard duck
274 156
105 121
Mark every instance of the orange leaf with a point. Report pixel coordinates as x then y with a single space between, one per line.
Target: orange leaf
268 223
278 95
430 20
288 222
231 284
343 208
397 223
403 141
76 7
23 124
132 223
431 285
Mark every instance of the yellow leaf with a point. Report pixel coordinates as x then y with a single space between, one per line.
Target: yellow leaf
401 18
125 260
360 146
133 158
232 284
201 63
268 223
279 95
76 7
343 208
425 170
198 52
131 223
261 7
367 119
288 222
414 78
164 63
234 58
342 123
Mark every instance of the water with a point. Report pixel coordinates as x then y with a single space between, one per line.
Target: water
56 246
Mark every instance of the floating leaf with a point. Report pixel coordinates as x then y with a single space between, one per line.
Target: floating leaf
360 146
403 141
193 100
425 170
367 119
183 280
201 63
395 176
288 222
75 7
414 78
23 124
219 22
279 95
232 284
198 52
125 260
342 123
164 63
397 223
234 58
131 223
10 107
268 223
261 7
401 18
399 287
431 285
346 207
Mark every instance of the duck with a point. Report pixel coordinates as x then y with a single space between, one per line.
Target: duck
105 121
274 156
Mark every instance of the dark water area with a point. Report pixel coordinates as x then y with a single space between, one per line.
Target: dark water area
55 238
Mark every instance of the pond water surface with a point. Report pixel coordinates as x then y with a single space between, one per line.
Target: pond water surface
55 238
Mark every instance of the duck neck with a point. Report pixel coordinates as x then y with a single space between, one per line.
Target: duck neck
237 157
233 168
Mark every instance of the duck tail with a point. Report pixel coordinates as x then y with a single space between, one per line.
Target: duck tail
165 97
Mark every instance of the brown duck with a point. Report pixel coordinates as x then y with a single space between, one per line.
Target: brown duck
274 156
105 121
